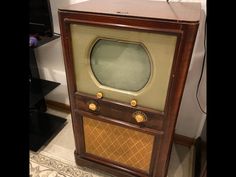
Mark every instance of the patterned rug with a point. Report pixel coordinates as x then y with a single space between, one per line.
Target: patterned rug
44 166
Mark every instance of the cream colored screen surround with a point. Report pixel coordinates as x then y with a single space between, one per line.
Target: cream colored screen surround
160 47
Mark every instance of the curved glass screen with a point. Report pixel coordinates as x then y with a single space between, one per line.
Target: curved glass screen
120 65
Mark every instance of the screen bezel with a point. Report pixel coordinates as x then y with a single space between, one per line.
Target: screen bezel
129 23
162 47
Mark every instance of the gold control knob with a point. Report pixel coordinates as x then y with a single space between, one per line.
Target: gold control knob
140 118
92 107
133 103
99 95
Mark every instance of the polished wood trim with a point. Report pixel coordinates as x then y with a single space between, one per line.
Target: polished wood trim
118 103
184 140
178 139
120 123
58 106
171 11
179 71
69 69
79 132
81 161
114 110
125 23
116 165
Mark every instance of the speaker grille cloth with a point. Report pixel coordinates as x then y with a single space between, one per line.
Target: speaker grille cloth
123 145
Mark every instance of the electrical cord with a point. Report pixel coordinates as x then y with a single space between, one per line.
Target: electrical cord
203 64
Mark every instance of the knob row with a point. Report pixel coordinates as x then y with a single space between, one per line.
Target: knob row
138 115
133 102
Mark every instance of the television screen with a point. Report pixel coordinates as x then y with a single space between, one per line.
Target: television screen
40 18
120 64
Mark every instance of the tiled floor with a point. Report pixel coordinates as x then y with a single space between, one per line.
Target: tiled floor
62 148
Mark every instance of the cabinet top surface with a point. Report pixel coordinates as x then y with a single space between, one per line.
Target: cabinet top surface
176 11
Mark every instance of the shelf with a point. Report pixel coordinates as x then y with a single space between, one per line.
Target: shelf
44 40
43 128
40 88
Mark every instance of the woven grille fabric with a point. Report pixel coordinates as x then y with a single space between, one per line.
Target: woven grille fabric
123 145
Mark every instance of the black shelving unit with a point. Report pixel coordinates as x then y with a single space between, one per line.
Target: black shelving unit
43 126
40 88
45 39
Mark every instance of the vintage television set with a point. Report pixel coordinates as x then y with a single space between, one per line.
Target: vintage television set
126 63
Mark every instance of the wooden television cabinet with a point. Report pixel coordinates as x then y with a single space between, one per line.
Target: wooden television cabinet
126 65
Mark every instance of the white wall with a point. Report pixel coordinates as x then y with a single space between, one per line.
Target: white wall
51 67
190 119
203 2
55 4
50 57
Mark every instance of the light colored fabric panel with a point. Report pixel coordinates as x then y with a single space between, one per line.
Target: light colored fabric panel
160 47
116 143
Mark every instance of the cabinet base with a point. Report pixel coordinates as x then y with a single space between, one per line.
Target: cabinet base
80 161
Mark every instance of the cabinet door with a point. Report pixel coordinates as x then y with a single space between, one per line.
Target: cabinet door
117 144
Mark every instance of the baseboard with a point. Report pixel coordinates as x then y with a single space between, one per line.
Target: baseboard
178 139
184 140
58 106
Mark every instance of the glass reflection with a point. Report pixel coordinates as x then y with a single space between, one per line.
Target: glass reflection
120 65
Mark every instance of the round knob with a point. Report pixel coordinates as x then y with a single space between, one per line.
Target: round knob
140 118
99 95
92 107
133 103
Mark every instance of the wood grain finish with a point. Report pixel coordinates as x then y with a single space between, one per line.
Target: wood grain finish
171 19
141 8
178 139
114 110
